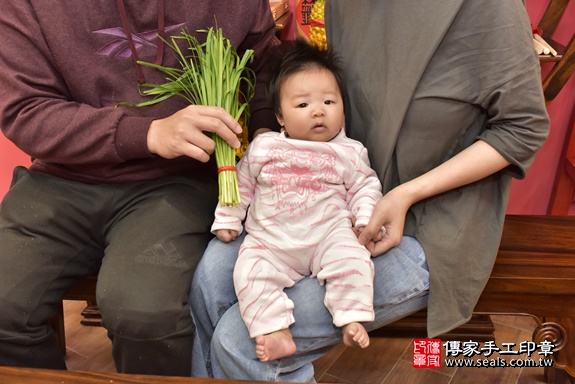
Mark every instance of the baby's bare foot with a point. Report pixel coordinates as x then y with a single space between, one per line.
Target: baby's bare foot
275 345
355 335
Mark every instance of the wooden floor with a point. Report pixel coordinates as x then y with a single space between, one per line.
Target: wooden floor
385 361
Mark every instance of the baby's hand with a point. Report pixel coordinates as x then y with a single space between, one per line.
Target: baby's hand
378 237
371 243
226 235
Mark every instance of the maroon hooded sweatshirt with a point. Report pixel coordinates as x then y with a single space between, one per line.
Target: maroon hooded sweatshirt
66 64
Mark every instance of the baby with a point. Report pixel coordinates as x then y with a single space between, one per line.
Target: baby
304 187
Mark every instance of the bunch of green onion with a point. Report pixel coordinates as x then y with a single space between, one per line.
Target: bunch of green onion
213 74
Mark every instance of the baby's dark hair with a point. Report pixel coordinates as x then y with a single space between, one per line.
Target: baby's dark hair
291 58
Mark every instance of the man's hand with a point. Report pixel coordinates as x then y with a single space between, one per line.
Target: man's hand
182 134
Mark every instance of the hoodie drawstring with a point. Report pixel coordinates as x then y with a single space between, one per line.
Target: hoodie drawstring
128 31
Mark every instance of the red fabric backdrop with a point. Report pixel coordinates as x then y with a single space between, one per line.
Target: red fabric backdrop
531 195
10 157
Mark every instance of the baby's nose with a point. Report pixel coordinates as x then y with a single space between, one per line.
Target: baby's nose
319 111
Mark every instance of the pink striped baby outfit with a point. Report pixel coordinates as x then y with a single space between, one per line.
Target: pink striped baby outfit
301 197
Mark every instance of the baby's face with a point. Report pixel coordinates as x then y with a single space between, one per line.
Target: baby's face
311 106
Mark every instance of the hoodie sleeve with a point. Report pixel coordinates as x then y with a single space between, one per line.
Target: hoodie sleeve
59 94
40 111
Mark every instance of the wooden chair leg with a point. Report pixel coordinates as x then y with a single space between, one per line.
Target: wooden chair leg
57 324
561 332
91 315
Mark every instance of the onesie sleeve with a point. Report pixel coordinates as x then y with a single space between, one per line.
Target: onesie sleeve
363 189
232 217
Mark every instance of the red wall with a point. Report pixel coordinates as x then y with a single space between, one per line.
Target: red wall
10 156
531 195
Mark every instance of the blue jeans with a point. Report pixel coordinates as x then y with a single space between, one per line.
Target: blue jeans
223 348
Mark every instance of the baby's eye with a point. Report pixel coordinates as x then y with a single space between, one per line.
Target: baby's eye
328 102
302 105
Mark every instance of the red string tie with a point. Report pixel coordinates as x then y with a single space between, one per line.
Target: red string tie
226 168
536 30
317 23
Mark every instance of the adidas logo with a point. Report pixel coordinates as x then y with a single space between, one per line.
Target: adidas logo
162 254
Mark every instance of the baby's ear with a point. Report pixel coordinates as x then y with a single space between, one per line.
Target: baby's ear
280 119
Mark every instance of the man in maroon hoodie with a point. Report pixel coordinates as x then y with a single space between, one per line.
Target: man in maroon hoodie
132 189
